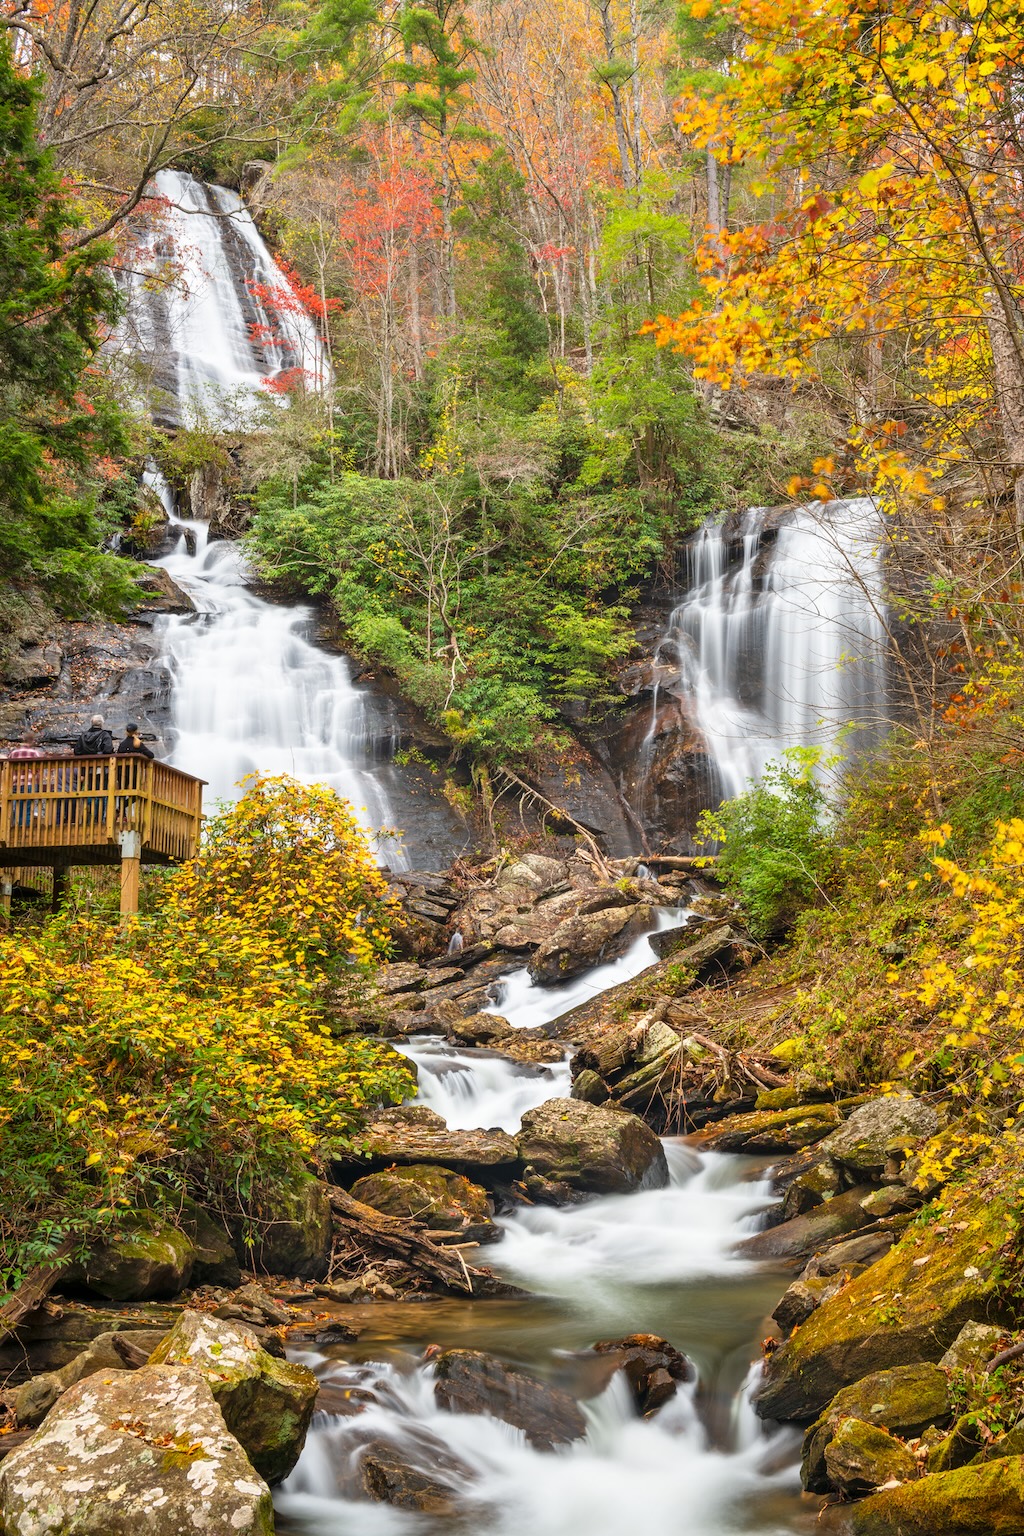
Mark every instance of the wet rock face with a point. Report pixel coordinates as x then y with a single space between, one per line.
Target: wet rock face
386 1474
267 1403
469 1381
124 1452
587 940
294 1232
652 1366
414 1134
446 1201
570 1148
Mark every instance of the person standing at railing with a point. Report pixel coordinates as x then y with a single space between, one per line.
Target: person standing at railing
128 774
21 780
95 742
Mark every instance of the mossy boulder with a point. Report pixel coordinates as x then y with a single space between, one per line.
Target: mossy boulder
125 1452
983 1500
956 1449
973 1347
908 1307
214 1259
883 1126
446 1201
267 1403
805 1234
288 1231
570 1148
860 1457
145 1258
905 1400
773 1130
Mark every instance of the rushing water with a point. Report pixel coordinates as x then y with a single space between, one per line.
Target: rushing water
251 691
784 645
661 1261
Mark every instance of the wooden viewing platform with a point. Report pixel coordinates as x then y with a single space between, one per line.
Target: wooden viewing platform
63 811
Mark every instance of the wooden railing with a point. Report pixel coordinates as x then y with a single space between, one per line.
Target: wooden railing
75 809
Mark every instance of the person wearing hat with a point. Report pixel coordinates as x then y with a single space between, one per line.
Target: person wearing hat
133 744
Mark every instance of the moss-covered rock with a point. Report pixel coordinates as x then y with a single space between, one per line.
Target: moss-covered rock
957 1448
570 1148
909 1306
860 1457
973 1347
267 1403
446 1201
806 1234
885 1125
288 1231
145 1258
773 1130
974 1501
215 1261
905 1400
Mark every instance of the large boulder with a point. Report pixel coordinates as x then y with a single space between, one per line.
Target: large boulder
985 1500
570 1148
145 1258
469 1381
414 1134
446 1201
583 941
288 1231
908 1307
267 1403
130 1451
906 1400
879 1129
214 1260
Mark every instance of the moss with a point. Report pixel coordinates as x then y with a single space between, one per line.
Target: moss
909 1306
445 1200
974 1501
864 1456
907 1399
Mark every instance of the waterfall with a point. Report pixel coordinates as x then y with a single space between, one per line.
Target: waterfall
200 310
778 644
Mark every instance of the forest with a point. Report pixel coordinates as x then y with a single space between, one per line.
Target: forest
677 1060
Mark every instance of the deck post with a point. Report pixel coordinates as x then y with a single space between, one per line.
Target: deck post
130 844
6 890
60 880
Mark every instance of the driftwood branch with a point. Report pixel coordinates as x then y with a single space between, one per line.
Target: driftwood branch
1005 1356
37 1285
528 792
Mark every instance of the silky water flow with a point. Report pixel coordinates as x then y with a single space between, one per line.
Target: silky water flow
660 1261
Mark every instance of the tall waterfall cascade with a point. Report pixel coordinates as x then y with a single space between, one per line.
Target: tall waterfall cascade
251 690
202 312
780 644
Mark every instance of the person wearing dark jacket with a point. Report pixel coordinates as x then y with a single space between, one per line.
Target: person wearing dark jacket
133 744
96 741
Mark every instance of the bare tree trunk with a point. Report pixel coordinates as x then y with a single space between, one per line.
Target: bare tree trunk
1006 335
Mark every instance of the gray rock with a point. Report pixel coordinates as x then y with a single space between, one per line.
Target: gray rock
414 1134
267 1403
107 1352
806 1234
973 1347
130 1451
571 1148
896 1122
581 942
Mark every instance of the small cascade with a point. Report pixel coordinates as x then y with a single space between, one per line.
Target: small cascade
469 1088
779 642
201 311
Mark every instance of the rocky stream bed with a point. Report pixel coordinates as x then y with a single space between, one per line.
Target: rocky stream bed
536 1299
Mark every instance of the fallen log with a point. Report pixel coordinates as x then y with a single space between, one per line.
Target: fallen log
395 1238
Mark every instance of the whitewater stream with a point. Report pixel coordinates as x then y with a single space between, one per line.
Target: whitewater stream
659 1262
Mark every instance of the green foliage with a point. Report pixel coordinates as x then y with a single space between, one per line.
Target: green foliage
190 1051
55 416
777 852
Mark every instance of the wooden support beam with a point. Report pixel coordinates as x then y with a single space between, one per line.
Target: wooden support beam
6 888
130 844
60 881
